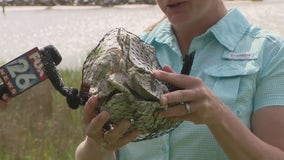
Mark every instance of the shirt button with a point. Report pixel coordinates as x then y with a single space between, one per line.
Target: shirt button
238 112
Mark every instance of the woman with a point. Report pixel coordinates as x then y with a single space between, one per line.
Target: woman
234 95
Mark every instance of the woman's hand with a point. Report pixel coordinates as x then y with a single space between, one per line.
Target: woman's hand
100 143
111 140
196 102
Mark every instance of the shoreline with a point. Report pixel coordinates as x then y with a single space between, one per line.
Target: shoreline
82 7
66 7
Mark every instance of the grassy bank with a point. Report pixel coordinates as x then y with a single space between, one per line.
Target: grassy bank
39 125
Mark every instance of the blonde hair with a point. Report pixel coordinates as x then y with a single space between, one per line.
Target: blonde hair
152 26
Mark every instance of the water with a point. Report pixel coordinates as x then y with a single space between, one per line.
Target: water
74 31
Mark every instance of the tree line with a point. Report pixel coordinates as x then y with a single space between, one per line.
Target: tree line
72 2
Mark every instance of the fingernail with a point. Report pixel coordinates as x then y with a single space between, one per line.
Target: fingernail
105 114
163 100
155 72
93 98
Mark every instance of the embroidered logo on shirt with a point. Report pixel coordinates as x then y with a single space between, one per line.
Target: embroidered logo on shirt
239 56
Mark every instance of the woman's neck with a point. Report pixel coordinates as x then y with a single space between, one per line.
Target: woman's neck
185 33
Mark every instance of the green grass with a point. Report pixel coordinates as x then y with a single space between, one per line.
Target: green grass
39 125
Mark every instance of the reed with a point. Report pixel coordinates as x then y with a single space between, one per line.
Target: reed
38 124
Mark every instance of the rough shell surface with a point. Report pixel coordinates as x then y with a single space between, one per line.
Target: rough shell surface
119 70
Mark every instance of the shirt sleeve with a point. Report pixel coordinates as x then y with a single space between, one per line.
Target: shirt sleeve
270 82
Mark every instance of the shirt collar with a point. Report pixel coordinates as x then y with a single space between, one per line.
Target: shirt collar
228 31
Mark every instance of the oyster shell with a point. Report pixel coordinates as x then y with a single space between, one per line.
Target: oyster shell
119 71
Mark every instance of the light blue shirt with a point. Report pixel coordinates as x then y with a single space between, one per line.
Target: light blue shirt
242 64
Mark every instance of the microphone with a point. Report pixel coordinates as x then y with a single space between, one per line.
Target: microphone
25 71
31 68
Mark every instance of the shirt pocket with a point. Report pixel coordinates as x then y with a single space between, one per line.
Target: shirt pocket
233 81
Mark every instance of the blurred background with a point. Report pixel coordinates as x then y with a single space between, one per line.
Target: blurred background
38 124
75 2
